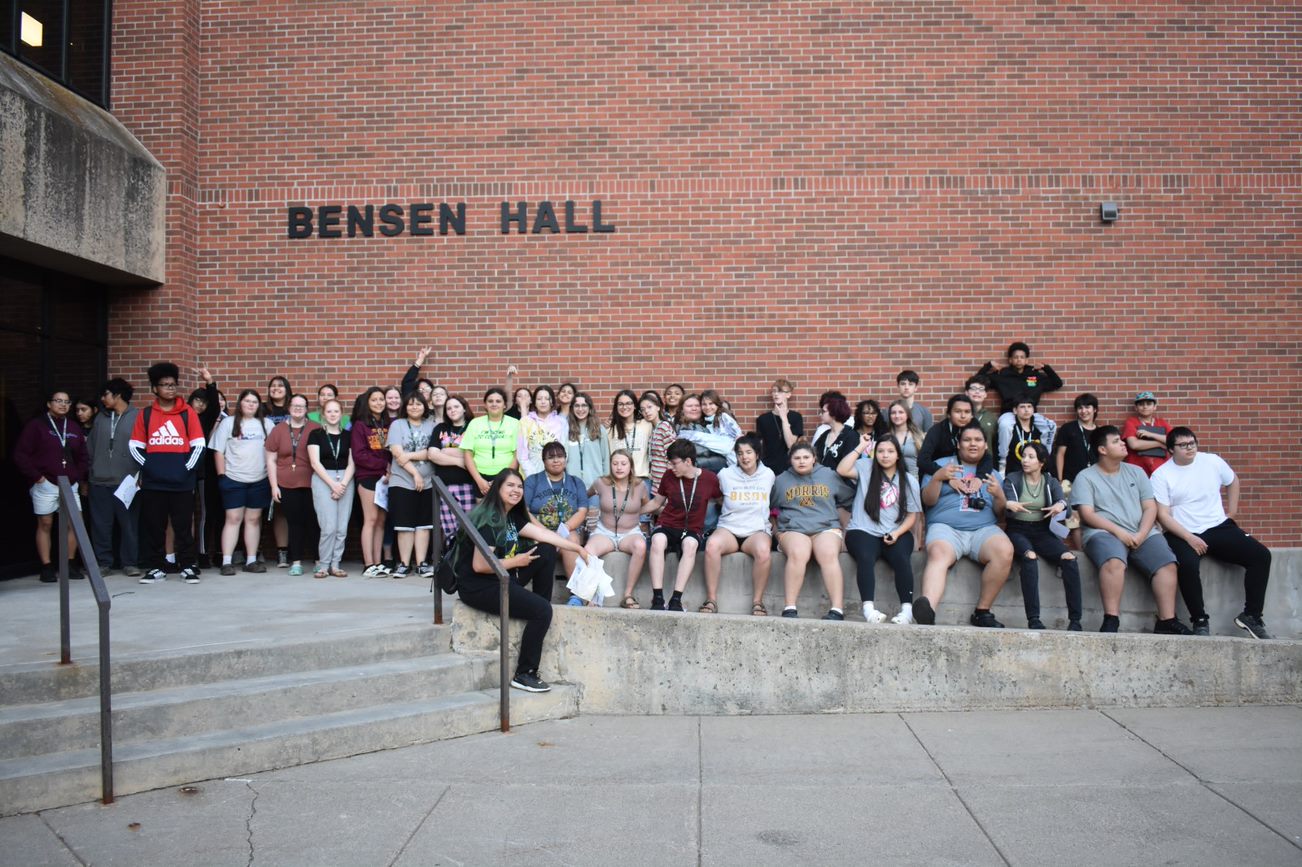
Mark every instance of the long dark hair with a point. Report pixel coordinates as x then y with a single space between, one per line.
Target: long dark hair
489 512
239 413
591 427
872 498
289 392
362 408
880 426
617 423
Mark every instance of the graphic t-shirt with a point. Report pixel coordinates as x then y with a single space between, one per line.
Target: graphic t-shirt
554 503
448 436
412 438
899 497
492 443
745 500
962 511
246 459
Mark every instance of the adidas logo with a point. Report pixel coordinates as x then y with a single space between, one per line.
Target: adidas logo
166 435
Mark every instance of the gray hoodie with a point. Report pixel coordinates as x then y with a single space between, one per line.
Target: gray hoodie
807 504
108 443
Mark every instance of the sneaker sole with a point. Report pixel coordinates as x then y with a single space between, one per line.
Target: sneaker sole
523 688
1251 634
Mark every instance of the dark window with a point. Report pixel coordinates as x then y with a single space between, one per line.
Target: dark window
68 40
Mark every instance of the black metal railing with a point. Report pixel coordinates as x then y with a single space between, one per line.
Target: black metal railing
70 518
441 495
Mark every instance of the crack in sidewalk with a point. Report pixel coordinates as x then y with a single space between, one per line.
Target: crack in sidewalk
419 825
59 837
248 823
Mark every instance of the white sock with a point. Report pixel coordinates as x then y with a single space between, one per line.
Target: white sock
226 559
867 609
252 558
906 608
170 558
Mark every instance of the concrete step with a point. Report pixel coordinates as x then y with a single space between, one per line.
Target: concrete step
35 729
58 779
28 683
1222 589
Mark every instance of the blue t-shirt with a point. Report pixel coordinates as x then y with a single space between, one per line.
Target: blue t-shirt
955 509
554 503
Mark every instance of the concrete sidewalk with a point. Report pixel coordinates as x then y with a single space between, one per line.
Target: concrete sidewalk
1207 786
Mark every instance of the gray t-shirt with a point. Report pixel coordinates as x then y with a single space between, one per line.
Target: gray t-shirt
889 516
1118 497
807 504
246 457
412 439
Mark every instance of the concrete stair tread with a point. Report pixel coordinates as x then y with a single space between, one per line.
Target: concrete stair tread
525 707
127 701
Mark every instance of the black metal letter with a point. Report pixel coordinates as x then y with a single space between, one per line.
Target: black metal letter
421 216
518 218
391 222
328 219
300 222
572 227
364 220
457 221
597 225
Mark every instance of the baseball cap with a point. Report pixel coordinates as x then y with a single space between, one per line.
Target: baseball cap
1145 395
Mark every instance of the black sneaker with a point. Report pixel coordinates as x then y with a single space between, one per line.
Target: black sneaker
1253 625
833 614
923 612
282 558
205 562
75 572
190 575
153 576
529 682
1074 626
790 612
255 566
1202 626
657 603
49 574
171 568
987 620
1035 623
1171 627
402 571
675 604
1111 623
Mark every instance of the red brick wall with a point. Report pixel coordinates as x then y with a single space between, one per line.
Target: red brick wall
827 193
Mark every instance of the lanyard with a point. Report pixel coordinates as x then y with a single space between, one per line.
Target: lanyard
687 502
293 445
493 439
619 513
630 442
63 437
335 444
114 418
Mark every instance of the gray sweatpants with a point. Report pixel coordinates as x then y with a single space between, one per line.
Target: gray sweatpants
332 515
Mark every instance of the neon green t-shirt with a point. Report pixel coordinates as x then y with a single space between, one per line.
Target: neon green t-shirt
492 443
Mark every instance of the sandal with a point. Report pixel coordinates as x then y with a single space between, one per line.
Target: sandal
759 610
321 573
339 573
708 607
630 603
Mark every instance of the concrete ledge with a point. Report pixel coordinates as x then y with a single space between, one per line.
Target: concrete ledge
1222 589
643 662
78 192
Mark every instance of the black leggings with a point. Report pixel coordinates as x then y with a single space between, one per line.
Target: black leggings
1036 536
866 548
1228 543
300 515
535 608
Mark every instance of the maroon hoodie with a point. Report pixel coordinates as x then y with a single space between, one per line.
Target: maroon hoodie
39 451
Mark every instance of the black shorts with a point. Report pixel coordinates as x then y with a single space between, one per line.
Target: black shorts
369 484
674 537
411 510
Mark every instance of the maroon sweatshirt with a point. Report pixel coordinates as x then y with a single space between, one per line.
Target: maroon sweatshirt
39 452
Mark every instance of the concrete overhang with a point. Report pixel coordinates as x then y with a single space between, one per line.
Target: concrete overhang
78 192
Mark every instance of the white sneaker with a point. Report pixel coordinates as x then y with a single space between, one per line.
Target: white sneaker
873 616
904 618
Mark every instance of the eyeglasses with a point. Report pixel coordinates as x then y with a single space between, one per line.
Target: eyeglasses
167 385
1187 444
61 400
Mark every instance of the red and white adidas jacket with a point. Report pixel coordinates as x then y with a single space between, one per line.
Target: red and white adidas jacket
168 444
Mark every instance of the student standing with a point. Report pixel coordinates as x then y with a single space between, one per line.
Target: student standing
907 383
411 501
541 426
906 433
780 427
289 473
167 442
239 447
587 451
369 442
109 445
663 434
629 432
330 453
52 445
490 440
450 463
1145 433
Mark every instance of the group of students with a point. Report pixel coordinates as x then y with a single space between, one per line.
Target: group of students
544 477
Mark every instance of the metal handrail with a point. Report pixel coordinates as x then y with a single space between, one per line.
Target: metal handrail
70 517
503 578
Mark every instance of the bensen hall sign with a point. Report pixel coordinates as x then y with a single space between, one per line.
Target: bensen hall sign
426 218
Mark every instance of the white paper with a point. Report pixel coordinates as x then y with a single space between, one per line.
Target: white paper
590 581
382 494
126 491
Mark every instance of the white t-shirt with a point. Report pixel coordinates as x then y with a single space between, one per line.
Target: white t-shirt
246 457
1193 492
745 500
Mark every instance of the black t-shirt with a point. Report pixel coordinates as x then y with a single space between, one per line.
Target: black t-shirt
830 452
1076 440
775 444
506 543
334 447
1012 461
447 435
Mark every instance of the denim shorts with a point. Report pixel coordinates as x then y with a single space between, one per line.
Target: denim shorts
244 495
